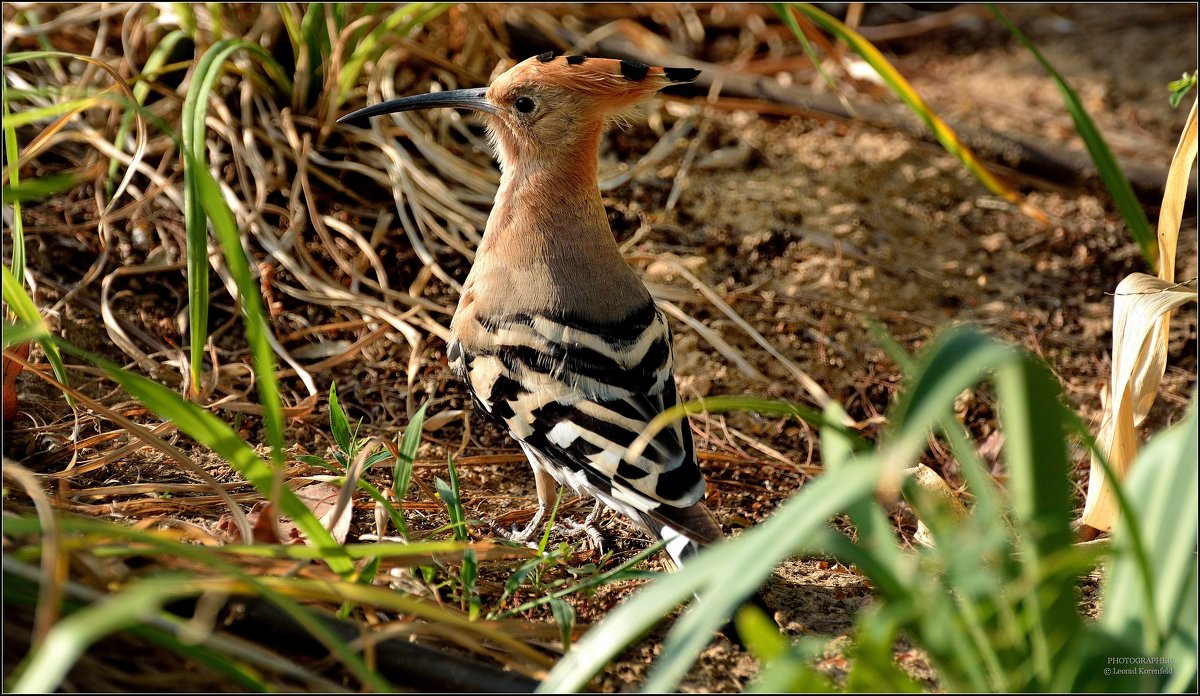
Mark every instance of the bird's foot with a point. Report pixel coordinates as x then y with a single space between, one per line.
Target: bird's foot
524 535
588 528
595 539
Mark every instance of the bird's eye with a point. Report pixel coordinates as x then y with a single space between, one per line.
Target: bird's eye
525 105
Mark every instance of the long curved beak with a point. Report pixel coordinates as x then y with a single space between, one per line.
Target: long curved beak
459 98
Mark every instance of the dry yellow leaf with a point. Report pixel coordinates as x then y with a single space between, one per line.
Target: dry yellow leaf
1141 326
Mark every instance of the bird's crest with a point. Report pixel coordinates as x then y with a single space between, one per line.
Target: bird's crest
618 82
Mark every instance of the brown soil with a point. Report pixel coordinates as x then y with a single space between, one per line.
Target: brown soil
814 229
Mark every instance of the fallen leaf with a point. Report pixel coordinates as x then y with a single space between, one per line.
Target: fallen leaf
322 499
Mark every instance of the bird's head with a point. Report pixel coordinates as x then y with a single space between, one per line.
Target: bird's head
547 106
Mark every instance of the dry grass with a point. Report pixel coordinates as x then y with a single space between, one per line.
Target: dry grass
360 238
350 300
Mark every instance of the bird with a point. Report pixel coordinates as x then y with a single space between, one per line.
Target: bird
555 334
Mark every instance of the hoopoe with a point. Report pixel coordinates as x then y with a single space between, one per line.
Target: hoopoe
556 335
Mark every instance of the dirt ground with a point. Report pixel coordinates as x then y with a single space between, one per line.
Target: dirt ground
808 229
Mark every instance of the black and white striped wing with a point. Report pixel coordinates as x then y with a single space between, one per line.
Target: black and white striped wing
577 394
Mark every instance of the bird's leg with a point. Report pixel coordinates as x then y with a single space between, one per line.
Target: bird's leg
588 527
546 491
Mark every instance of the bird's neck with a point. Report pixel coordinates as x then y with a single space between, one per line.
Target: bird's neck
548 242
548 210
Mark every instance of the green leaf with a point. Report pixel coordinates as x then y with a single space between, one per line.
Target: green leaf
377 457
450 500
460 514
621 572
517 577
726 404
409 442
1180 88
1035 454
1162 492
564 616
541 548
790 676
889 569
470 571
956 360
16 334
760 634
339 426
110 611
402 472
314 460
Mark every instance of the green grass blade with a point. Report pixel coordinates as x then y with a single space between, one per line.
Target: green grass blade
216 14
760 634
956 360
71 636
254 314
451 494
313 40
45 113
16 334
215 434
339 426
1110 172
34 190
874 528
621 572
905 92
541 547
753 554
400 23
142 601
564 616
98 536
402 472
17 262
375 494
789 20
791 676
287 13
314 33
1035 455
141 89
196 160
187 18
20 304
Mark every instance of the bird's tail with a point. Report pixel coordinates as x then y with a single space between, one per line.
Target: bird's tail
702 529
686 530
